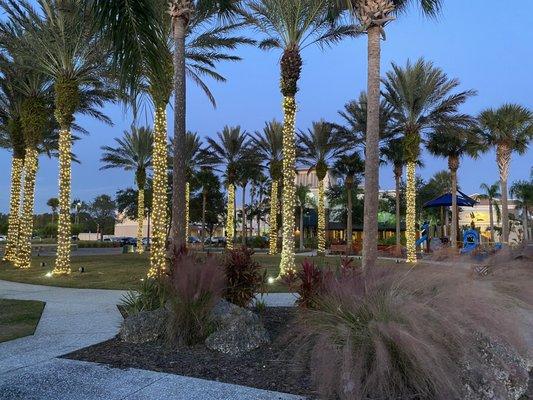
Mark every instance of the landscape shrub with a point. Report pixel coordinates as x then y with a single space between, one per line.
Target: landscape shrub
151 295
244 276
310 242
394 335
194 287
308 282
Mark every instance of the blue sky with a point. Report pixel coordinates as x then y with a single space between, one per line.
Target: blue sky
488 48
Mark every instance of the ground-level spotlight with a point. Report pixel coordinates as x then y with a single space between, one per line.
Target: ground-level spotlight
81 270
49 274
271 280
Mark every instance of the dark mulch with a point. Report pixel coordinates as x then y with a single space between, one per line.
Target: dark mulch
272 367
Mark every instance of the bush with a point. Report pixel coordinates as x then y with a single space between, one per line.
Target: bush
391 336
310 242
194 287
244 276
151 295
308 282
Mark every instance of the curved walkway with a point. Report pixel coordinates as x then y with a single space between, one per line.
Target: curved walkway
77 318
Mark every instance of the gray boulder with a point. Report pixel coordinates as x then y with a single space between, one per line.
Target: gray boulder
238 330
145 326
503 374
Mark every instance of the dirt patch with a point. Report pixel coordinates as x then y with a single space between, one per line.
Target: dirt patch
272 367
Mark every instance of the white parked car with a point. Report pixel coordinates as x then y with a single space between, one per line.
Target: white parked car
3 238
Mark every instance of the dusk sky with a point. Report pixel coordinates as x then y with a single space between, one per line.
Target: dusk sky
488 46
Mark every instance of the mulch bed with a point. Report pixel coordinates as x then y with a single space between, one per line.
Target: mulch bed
272 367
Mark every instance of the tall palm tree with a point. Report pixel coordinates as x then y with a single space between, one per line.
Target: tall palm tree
302 200
133 153
230 148
318 146
207 181
523 192
453 143
373 16
349 166
508 129
491 193
291 26
53 203
248 170
422 98
393 153
269 144
65 48
260 189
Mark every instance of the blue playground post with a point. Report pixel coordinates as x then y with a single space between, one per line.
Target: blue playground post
424 235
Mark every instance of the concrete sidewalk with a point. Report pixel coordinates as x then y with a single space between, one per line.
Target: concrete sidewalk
77 318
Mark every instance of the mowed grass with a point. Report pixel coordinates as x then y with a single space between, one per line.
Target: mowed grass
19 318
124 271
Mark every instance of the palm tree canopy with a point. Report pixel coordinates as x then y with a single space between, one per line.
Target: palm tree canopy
423 98
60 38
523 192
490 191
454 142
302 195
318 146
511 124
349 166
296 24
355 114
229 149
132 153
269 145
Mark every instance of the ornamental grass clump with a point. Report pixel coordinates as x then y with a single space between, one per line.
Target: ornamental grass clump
195 286
244 276
398 335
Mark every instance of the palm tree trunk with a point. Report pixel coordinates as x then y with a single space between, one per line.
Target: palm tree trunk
158 247
26 221
259 205
273 219
491 221
140 220
230 218
454 165
62 264
411 212
397 178
179 230
503 155
17 166
302 247
204 204
289 191
187 210
321 219
244 214
349 222
525 224
370 223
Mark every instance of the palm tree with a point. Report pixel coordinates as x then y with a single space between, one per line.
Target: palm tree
523 191
65 48
230 148
318 146
53 203
248 170
133 153
302 200
260 189
454 142
509 129
349 166
422 98
373 15
207 181
269 144
491 192
393 152
291 26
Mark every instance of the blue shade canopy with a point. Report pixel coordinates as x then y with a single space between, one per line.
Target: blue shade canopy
446 201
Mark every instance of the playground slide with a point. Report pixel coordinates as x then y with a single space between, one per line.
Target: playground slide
421 240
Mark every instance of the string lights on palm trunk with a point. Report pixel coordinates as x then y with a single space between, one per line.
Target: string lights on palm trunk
411 212
140 221
230 220
17 167
273 234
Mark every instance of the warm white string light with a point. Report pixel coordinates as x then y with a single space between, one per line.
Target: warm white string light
140 221
273 233
230 219
410 217
289 190
17 166
321 229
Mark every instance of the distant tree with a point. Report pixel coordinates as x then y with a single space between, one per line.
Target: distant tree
207 202
302 202
102 211
53 203
523 191
491 193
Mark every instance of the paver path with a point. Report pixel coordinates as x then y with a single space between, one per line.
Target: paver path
77 318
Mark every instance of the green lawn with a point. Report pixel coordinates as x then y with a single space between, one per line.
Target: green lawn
19 318
121 271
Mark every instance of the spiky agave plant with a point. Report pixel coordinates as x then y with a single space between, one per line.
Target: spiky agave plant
291 26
